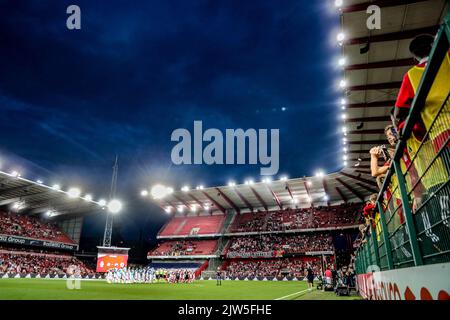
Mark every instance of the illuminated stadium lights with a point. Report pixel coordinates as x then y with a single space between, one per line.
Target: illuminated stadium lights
340 37
338 3
343 116
207 207
15 174
73 193
319 174
159 191
144 193
19 205
39 181
50 213
344 129
56 187
326 198
309 183
342 83
267 180
344 157
308 198
343 107
295 200
193 208
231 184
283 178
185 189
102 202
345 149
343 102
200 187
345 163
342 62
114 206
180 209
249 182
87 197
168 209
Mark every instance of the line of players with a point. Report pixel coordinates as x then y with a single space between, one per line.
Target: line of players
149 275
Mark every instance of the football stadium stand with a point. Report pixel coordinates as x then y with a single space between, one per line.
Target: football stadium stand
193 226
185 248
31 227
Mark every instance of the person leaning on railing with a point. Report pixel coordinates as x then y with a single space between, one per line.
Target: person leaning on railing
428 135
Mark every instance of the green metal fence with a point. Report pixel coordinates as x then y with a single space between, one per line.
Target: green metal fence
414 201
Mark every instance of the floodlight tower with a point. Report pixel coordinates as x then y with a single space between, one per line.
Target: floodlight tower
109 215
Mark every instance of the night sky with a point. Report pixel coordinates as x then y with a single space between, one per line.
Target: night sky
72 99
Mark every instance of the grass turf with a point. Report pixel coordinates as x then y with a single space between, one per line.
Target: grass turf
42 289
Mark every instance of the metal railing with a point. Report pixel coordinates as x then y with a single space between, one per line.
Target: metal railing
413 205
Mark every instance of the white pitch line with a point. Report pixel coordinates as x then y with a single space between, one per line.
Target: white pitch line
292 294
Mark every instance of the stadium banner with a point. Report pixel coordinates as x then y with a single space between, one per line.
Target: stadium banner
430 282
257 254
37 243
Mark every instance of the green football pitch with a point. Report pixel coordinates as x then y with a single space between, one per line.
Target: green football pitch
44 289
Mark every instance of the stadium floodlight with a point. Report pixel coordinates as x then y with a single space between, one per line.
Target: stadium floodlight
180 209
267 180
114 206
56 187
50 213
309 183
308 198
73 193
283 178
206 206
343 107
343 101
19 205
159 191
102 202
39 181
345 164
342 83
144 193
193 208
15 174
338 3
342 62
345 149
319 174
326 198
294 200
344 157
340 37
343 116
88 197
231 184
200 187
185 189
251 181
168 209
344 129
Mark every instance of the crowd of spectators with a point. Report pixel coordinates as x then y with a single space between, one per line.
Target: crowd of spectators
184 248
288 267
30 227
294 219
299 243
41 263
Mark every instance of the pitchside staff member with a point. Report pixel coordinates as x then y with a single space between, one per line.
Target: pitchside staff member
219 277
310 277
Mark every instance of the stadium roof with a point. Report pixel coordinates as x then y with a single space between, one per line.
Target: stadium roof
29 197
300 192
375 62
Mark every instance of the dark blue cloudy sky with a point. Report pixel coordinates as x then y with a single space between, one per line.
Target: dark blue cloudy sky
137 70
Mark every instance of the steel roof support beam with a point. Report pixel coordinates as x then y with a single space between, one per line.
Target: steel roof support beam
259 198
325 187
400 35
341 194
349 187
376 86
382 64
369 182
275 197
228 200
381 3
218 205
375 104
372 190
240 195
369 119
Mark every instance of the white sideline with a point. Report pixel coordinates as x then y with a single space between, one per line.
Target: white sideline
292 294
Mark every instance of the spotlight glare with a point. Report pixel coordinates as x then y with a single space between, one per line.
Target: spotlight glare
168 210
342 61
180 209
231 184
15 174
56 187
343 101
144 193
159 191
39 181
342 83
283 178
185 189
344 116
73 193
114 206
102 202
309 183
345 163
88 197
319 173
340 37
338 3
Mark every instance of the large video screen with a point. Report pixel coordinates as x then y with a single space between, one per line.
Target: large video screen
106 261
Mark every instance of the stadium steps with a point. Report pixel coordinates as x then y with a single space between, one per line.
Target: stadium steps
229 219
